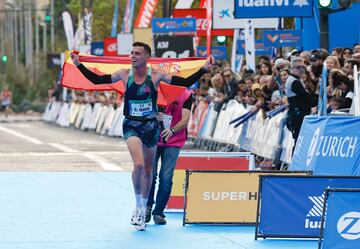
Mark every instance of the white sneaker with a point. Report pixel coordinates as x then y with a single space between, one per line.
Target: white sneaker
134 217
138 219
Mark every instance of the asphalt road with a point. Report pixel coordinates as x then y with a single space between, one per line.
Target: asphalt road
27 145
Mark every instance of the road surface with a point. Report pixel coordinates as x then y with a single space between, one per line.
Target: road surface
27 145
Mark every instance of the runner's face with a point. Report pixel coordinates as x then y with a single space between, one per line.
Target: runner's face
138 57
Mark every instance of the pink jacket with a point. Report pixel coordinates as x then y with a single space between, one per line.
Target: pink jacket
175 110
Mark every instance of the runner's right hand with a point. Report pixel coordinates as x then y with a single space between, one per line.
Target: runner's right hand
75 57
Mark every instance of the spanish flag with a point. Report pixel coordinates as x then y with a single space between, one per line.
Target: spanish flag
74 79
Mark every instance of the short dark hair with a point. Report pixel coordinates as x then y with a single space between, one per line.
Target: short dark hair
353 63
264 57
339 77
144 45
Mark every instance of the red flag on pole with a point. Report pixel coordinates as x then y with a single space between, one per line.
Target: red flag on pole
146 12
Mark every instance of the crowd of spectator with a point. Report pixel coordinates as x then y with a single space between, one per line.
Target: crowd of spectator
264 88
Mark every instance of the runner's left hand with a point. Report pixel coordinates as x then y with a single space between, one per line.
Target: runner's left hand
209 62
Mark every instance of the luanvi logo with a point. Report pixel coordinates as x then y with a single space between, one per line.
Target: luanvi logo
348 226
272 3
312 219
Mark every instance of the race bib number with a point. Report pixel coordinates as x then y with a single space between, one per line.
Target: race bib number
167 121
140 109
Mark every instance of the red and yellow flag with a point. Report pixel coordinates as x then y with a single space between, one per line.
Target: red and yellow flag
74 79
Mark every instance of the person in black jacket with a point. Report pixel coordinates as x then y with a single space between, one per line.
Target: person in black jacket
300 100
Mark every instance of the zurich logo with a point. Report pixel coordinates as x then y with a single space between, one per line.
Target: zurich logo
348 226
313 146
98 51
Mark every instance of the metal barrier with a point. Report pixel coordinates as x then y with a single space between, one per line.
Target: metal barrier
208 129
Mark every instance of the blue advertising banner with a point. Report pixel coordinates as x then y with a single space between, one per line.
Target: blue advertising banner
260 49
219 52
174 25
328 145
292 206
282 38
97 48
342 228
273 8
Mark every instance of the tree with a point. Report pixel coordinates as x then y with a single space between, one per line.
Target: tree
103 14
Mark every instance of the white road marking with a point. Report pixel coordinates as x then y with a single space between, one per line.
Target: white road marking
102 162
25 154
63 148
18 134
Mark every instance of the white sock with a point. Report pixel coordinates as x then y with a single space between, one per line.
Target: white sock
144 201
138 201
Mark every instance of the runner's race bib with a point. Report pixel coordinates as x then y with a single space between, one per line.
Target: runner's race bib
167 121
140 108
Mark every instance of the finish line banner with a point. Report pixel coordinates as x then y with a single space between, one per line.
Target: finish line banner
223 197
328 145
342 218
291 206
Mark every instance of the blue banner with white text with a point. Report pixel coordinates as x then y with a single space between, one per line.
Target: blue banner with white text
219 52
273 8
328 145
342 228
282 38
260 49
174 25
97 48
292 206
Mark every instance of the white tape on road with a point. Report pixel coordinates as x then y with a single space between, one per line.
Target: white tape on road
103 163
19 135
63 148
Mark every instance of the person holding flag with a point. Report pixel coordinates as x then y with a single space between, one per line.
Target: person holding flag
140 126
